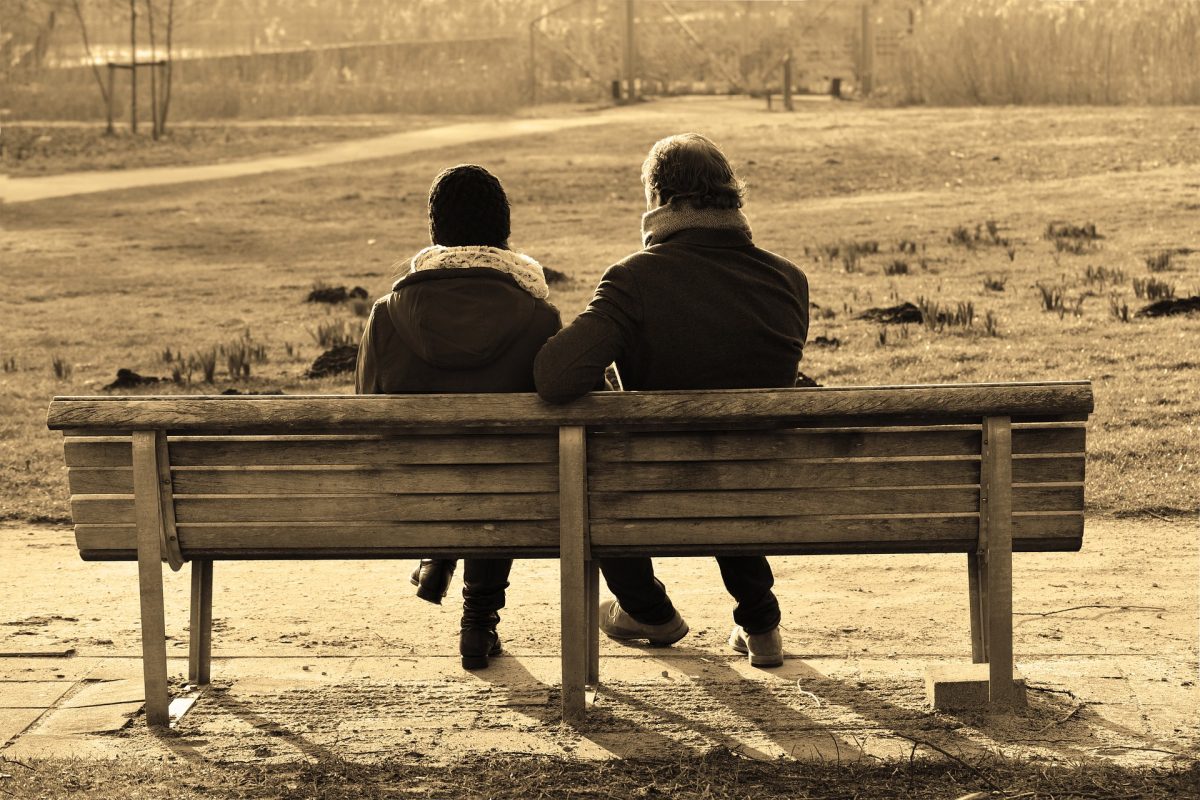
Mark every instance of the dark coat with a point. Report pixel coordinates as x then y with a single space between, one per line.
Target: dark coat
454 330
704 309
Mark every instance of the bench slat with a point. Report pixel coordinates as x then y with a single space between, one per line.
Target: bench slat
772 444
466 449
1032 532
117 509
779 474
781 503
957 530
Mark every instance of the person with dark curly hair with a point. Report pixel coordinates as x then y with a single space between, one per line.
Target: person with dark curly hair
700 307
468 315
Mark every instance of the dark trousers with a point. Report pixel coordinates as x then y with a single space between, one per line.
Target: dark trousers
643 597
484 582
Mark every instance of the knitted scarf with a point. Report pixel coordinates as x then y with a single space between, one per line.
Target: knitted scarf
524 270
661 222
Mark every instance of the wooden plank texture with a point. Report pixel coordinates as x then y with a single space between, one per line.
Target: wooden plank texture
150 586
379 451
574 551
996 520
273 413
781 444
780 474
414 479
781 503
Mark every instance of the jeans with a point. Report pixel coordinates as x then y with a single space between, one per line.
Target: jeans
643 597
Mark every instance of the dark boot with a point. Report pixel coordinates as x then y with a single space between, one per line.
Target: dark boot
484 582
432 578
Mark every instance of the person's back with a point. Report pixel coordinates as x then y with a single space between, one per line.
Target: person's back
469 316
700 308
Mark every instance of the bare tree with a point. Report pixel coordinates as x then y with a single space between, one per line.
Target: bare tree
154 131
87 50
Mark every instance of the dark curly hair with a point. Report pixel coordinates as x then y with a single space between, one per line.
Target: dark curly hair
691 168
468 206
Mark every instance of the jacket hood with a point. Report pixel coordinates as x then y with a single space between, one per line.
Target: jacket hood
459 319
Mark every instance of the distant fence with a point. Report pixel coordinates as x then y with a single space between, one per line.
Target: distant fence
461 76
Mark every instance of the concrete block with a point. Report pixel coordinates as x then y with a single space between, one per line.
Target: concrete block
953 687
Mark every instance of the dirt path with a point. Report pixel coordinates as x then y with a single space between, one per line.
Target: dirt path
23 190
1107 638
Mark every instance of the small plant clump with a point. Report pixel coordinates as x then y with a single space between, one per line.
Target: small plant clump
907 246
936 317
1160 261
991 325
1104 276
62 368
896 267
994 283
1153 289
1052 296
9 364
1072 239
985 233
1118 309
336 333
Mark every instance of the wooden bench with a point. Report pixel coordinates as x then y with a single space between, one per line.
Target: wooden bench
981 469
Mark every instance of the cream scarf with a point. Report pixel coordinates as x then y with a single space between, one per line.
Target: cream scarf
659 223
524 270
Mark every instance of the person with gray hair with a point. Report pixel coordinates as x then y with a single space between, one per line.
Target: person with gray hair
700 307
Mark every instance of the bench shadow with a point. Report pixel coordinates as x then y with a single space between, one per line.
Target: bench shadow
805 713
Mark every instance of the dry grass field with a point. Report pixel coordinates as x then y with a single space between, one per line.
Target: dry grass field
947 209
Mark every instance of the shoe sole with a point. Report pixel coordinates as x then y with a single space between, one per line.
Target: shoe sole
661 641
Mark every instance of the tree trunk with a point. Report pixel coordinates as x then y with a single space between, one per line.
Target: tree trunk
133 66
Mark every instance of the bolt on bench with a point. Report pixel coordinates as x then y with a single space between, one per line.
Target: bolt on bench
980 469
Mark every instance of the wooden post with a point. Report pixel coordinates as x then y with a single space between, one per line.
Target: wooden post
574 567
867 66
533 62
630 52
977 586
133 66
787 83
593 623
148 513
995 514
200 637
108 128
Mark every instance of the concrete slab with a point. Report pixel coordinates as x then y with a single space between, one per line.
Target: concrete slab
22 702
100 707
955 687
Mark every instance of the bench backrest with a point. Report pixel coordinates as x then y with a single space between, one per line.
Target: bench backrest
865 469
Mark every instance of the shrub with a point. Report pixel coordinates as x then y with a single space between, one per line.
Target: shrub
991 325
896 267
205 361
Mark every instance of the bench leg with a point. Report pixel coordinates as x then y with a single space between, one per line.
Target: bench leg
977 580
575 564
996 487
148 513
593 623
200 640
